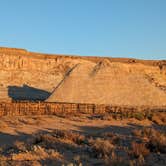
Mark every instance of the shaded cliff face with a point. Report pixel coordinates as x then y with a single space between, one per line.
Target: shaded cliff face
81 79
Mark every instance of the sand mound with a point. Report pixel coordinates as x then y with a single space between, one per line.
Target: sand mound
110 83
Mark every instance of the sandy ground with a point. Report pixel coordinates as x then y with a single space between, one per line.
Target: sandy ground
18 128
54 149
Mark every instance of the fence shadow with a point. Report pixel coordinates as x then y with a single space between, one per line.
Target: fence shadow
28 93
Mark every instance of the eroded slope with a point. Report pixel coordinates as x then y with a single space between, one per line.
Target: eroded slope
114 83
118 81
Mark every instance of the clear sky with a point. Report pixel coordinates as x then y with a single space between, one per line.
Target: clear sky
118 28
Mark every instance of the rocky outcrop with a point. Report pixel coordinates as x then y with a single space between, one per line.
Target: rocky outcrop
113 83
91 79
18 67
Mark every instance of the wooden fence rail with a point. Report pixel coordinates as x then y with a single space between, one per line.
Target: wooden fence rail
45 108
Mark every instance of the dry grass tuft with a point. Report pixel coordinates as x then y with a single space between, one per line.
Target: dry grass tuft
115 160
60 134
101 148
21 146
138 149
37 153
159 118
156 140
3 125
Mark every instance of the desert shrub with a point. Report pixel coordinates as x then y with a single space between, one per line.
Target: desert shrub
75 137
113 138
149 115
148 132
21 146
106 116
156 119
108 134
139 116
51 138
138 149
115 160
163 118
145 132
140 161
156 139
46 139
159 118
19 163
130 115
21 152
36 153
117 116
137 133
157 142
3 125
116 140
101 148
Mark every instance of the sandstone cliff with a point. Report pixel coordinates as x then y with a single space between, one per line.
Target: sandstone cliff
119 81
20 67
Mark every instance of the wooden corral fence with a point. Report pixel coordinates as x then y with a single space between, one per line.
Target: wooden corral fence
45 108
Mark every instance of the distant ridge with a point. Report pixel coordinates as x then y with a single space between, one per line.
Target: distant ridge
92 58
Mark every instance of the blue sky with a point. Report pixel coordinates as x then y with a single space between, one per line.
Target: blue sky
117 28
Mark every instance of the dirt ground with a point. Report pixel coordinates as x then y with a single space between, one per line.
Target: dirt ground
80 140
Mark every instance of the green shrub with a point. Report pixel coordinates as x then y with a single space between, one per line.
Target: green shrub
139 116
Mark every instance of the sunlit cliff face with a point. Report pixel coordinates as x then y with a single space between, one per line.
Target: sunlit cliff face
83 79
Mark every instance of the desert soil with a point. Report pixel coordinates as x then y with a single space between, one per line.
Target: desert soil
59 149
